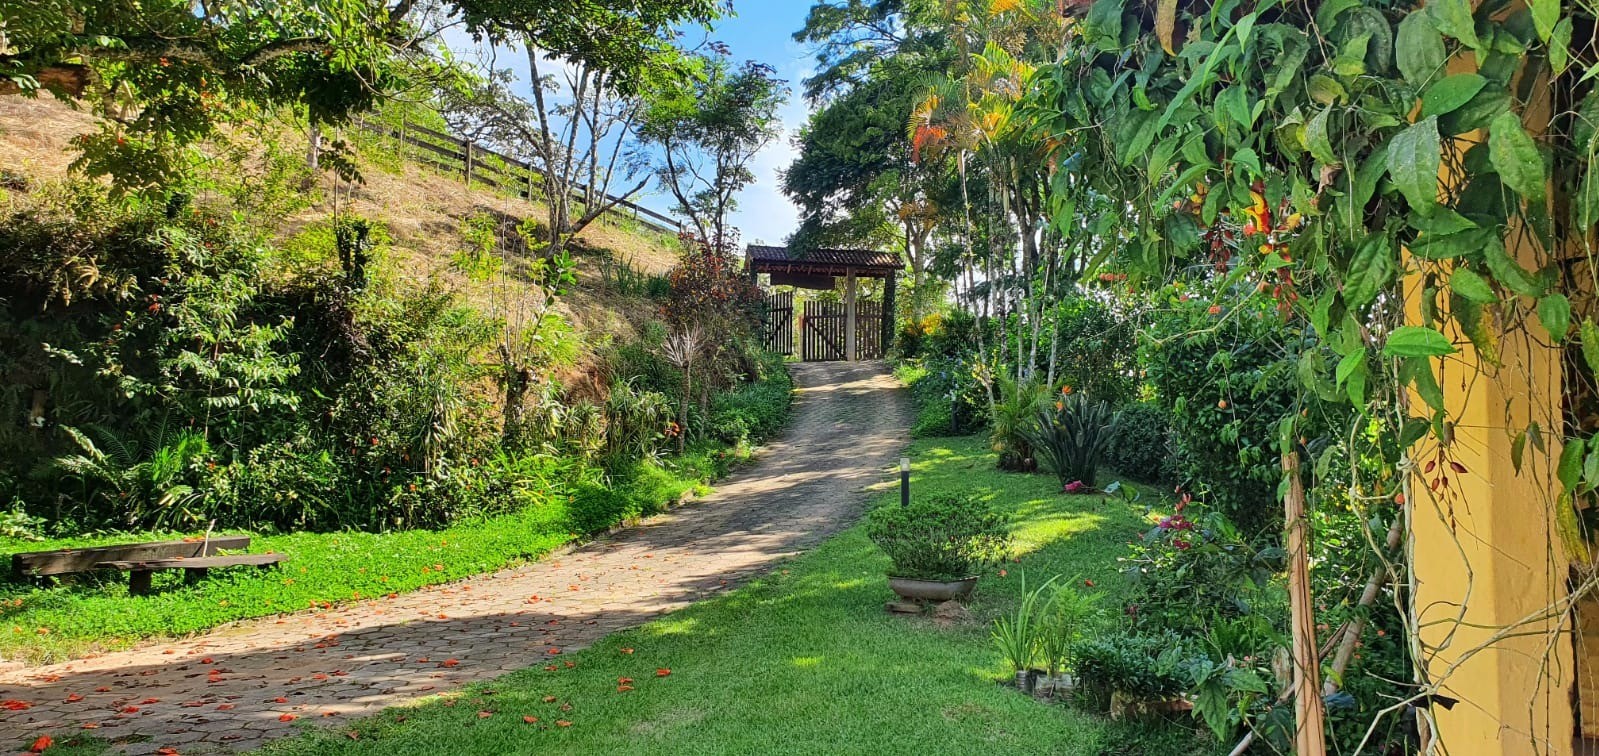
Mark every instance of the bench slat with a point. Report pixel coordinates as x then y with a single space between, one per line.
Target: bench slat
198 563
64 561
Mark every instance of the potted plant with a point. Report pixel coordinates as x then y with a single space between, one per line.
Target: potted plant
937 544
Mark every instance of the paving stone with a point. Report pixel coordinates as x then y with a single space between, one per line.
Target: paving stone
849 425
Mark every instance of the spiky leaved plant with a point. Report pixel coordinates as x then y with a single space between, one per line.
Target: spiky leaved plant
1071 435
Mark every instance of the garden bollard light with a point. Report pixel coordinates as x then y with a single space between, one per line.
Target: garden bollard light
904 481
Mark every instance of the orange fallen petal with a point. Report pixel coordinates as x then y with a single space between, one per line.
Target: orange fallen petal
623 688
562 723
42 743
627 650
287 718
280 699
224 707
662 672
74 698
530 720
449 663
484 714
15 705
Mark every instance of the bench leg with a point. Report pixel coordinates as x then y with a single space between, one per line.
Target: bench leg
139 582
194 575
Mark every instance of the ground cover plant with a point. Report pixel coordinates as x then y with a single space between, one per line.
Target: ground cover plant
52 623
805 660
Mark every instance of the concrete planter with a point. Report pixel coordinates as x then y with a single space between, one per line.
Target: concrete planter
935 591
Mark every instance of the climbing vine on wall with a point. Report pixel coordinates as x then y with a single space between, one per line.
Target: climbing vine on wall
1413 183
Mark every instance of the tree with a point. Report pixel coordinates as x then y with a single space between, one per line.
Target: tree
164 73
707 130
579 122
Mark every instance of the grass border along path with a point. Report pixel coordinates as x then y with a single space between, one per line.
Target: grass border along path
803 660
51 624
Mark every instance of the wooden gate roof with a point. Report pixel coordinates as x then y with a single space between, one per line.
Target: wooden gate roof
830 262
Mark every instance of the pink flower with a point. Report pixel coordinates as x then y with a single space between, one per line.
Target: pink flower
1075 486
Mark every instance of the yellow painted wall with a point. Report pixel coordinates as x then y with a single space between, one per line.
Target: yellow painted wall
1486 554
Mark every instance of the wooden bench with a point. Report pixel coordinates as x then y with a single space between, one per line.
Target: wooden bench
67 561
194 569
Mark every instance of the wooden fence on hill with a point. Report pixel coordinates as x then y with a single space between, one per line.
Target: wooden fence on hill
476 163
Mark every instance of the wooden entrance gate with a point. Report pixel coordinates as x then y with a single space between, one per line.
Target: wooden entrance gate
823 331
778 329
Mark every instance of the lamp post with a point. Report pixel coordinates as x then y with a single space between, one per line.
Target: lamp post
904 481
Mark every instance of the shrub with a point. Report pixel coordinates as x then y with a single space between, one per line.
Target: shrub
940 537
1071 435
1008 431
1194 571
1144 667
754 411
948 400
637 422
1142 447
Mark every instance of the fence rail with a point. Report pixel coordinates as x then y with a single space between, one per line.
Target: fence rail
475 162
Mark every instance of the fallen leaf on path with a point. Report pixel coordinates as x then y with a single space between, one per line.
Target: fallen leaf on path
73 698
42 743
15 705
224 707
166 751
449 663
280 699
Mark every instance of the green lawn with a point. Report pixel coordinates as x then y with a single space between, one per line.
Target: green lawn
43 624
805 660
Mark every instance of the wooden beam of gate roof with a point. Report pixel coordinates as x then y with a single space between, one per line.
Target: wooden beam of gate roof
762 258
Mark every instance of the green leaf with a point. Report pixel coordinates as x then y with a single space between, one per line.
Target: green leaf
1545 14
1508 272
1369 271
1569 471
1442 221
1413 159
1318 140
1554 312
1418 370
1590 343
1453 18
1570 529
1466 283
1351 373
1515 156
1417 341
1450 93
1560 46
1447 246
1325 90
1518 450
1419 49
1587 199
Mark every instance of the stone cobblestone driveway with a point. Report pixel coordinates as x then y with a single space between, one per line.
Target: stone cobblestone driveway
237 687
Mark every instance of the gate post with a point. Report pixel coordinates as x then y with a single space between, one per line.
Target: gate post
849 316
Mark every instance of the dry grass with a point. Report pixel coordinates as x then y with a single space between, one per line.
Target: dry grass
424 211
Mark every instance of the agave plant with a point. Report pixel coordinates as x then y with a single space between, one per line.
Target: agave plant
1071 435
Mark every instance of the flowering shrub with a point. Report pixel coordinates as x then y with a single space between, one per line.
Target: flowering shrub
1192 569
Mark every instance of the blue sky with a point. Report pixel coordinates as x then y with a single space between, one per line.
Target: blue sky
761 30
764 30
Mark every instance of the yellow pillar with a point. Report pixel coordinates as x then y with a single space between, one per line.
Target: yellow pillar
1486 552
